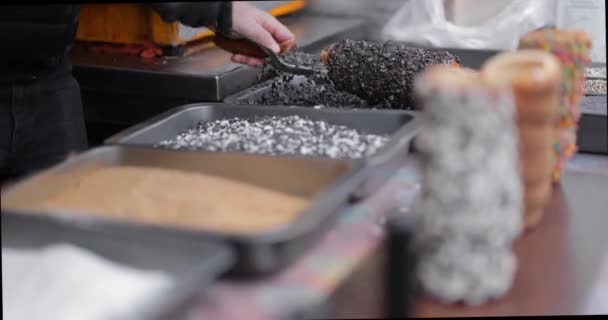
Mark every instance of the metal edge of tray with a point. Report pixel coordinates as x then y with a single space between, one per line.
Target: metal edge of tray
597 65
379 166
592 133
258 253
254 91
207 261
382 165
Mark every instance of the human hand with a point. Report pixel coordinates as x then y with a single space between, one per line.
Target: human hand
260 27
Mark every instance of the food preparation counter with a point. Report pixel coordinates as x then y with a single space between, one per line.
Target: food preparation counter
563 263
119 91
560 261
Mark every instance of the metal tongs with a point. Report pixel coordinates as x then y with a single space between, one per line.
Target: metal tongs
252 49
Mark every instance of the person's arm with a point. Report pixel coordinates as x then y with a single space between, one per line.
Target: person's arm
237 18
216 15
260 27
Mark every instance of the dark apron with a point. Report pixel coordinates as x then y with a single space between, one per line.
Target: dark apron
40 124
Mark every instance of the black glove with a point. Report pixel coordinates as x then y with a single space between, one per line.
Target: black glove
216 15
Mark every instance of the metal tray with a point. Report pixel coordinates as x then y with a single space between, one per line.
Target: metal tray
191 265
402 126
593 125
328 184
468 58
592 133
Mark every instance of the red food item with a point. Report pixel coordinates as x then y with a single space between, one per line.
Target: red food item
150 53
147 50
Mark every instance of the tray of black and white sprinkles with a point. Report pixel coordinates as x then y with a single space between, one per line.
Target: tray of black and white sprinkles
379 138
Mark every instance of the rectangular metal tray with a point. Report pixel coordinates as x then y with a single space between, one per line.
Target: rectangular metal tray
592 131
402 126
328 184
468 58
593 126
192 266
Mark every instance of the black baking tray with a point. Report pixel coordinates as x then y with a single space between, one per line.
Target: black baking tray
191 265
592 134
401 125
328 184
468 58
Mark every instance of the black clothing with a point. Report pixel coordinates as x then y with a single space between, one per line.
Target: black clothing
40 124
41 116
215 14
36 40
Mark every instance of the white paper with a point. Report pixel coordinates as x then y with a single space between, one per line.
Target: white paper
68 283
587 15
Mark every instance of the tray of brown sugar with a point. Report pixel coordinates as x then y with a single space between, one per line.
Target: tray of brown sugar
268 208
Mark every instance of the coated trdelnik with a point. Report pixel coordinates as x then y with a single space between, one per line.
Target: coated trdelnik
298 90
470 202
381 72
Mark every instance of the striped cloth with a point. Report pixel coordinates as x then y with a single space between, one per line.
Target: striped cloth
312 279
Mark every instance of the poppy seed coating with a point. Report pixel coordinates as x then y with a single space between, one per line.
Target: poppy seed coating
297 90
382 73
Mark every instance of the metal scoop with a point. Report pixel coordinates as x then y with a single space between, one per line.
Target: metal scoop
252 49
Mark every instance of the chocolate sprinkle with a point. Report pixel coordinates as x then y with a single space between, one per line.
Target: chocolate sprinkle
291 135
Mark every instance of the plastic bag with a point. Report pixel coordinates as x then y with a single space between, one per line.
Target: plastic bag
469 24
589 16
